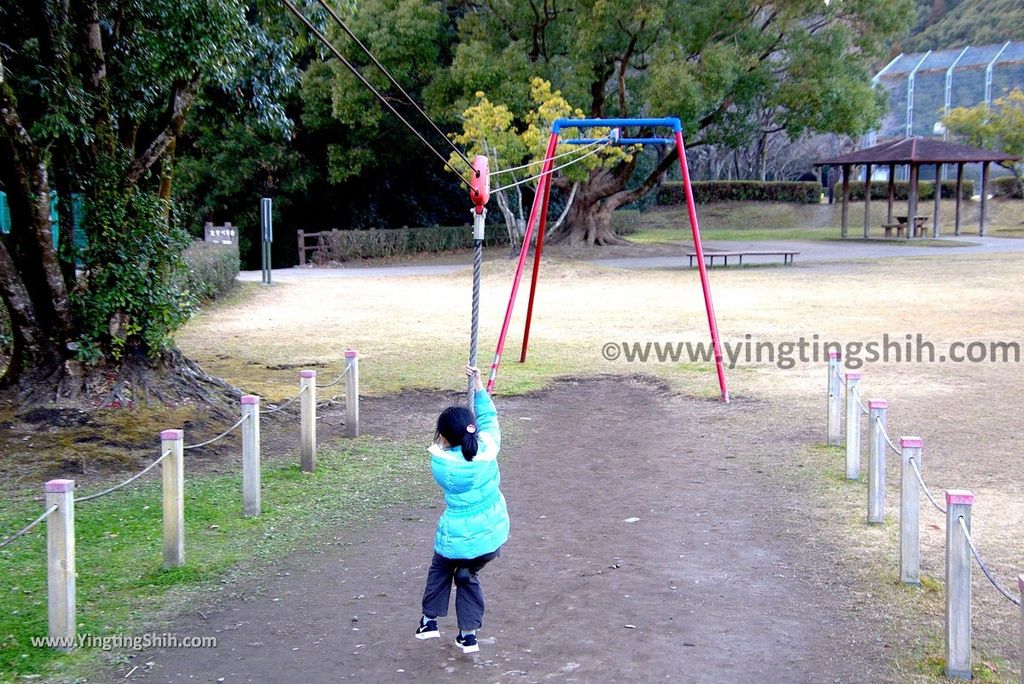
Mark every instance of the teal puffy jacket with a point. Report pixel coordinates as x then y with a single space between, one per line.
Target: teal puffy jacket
475 519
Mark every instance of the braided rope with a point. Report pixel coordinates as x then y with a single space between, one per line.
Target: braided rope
25 530
856 396
337 379
839 375
924 487
984 568
881 427
474 329
220 436
285 404
131 479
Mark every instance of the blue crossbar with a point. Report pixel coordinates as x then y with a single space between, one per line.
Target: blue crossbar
670 122
620 141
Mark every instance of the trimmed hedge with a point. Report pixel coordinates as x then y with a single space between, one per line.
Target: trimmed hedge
925 189
345 245
705 192
1006 186
211 268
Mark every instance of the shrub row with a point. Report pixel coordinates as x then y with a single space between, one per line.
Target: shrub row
345 245
1006 186
925 189
804 192
211 268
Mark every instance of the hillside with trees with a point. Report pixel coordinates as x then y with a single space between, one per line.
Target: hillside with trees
953 23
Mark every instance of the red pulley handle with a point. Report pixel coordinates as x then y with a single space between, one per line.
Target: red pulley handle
480 183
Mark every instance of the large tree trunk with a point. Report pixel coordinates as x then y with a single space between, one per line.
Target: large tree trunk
590 218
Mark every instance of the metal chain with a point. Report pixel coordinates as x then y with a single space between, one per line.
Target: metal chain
924 487
336 380
218 437
984 568
285 404
27 528
881 427
131 479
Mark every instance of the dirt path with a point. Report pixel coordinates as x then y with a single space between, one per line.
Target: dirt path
714 583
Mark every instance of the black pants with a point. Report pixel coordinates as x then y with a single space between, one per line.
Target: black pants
469 595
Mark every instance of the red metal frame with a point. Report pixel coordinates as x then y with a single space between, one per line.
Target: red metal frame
527 236
541 199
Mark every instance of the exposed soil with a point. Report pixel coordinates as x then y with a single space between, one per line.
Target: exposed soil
715 580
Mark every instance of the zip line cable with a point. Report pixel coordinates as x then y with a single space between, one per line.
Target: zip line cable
387 73
550 171
323 39
557 156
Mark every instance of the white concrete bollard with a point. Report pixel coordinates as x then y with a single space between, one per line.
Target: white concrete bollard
60 562
251 456
958 584
877 410
307 438
833 421
173 469
910 511
852 427
351 393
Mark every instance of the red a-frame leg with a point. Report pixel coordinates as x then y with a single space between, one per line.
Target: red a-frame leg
545 187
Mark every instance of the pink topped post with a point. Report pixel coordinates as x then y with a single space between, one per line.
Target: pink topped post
910 509
853 423
959 563
60 562
307 420
251 506
172 443
833 422
58 486
878 410
351 393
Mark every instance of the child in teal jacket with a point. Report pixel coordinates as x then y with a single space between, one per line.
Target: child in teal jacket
474 525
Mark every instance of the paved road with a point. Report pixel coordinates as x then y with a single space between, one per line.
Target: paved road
810 251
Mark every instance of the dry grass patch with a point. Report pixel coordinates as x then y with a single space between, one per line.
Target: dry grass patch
413 332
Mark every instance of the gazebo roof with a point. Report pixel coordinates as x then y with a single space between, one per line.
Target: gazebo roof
919 151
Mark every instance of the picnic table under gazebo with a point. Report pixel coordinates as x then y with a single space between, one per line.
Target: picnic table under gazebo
914 153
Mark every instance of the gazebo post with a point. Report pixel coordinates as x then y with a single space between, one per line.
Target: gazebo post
915 171
984 199
892 190
867 199
959 192
938 199
846 200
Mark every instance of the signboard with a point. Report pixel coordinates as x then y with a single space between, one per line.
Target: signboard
222 235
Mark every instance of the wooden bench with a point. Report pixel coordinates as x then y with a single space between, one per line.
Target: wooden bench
920 226
901 229
709 257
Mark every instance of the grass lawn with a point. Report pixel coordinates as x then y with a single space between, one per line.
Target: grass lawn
121 584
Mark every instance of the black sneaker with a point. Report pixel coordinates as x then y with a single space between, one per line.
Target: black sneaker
427 630
467 642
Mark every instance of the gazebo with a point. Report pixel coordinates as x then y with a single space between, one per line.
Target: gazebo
915 152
